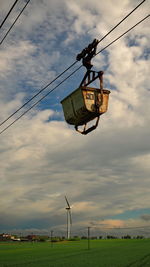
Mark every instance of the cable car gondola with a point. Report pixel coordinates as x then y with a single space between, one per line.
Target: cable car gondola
86 103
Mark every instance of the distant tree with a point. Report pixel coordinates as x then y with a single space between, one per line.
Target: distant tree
83 237
139 237
32 237
111 237
77 238
56 239
126 237
93 237
41 239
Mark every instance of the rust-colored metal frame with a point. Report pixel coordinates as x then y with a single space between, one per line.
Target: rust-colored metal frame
88 78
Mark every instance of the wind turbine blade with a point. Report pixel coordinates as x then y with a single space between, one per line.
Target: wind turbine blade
70 217
67 202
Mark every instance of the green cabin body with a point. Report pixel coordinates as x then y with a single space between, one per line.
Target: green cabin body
80 106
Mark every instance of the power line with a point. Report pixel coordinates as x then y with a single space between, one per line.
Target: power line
39 101
121 228
123 34
68 67
14 22
71 75
37 94
121 21
8 13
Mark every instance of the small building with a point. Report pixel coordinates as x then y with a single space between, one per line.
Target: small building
5 237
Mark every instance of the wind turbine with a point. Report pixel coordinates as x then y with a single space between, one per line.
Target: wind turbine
69 218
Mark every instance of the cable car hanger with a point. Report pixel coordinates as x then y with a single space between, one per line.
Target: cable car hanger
86 103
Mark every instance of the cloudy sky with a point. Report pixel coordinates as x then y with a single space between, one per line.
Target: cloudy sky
106 174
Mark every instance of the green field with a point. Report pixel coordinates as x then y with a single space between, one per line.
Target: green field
102 253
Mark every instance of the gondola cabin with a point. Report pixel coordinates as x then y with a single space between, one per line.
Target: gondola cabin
85 104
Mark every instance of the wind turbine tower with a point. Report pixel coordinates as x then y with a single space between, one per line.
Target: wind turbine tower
69 218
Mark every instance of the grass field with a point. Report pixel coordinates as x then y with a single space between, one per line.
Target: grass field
102 253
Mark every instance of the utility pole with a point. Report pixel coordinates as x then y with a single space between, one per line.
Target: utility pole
51 238
89 238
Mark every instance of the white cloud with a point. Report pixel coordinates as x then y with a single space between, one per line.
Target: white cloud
42 159
13 54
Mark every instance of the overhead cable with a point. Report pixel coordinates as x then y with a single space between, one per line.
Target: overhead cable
120 228
36 95
41 90
121 21
122 34
14 22
71 75
39 101
8 13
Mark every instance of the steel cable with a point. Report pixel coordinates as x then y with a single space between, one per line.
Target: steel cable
40 91
72 74
14 22
121 21
39 101
8 13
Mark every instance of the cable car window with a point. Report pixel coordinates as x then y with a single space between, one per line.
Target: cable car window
90 96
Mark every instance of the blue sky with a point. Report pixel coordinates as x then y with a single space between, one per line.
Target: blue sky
131 214
104 174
